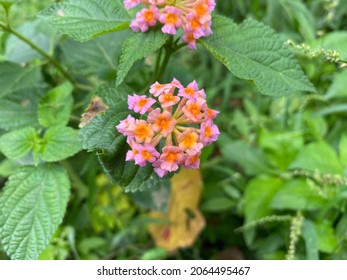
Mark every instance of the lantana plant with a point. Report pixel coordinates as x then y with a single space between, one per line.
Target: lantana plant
176 116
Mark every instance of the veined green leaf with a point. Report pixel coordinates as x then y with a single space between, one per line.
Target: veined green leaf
297 195
310 236
18 143
32 206
59 143
252 51
55 107
14 77
258 196
86 19
136 47
318 156
39 32
96 57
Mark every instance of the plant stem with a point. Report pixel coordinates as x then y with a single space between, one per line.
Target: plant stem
157 64
168 53
40 51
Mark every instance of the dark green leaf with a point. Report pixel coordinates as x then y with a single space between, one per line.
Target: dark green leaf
14 77
32 206
86 19
136 47
252 51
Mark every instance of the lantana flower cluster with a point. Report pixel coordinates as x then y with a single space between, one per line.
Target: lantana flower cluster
175 126
193 16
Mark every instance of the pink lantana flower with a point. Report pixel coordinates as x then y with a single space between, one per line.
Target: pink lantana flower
209 132
172 157
171 18
173 133
140 104
193 16
128 4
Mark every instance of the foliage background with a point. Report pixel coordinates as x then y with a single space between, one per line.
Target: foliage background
274 184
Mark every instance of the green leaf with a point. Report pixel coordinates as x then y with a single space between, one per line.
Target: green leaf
98 56
298 11
18 143
310 236
318 156
297 195
252 51
14 78
281 148
258 196
251 159
155 198
341 228
40 33
32 206
136 47
343 150
217 204
15 115
86 19
55 107
338 87
336 41
326 237
155 254
60 143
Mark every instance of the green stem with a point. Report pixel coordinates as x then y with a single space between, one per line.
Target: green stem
157 64
40 51
168 53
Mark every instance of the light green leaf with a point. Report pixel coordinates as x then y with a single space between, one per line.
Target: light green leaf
297 195
86 19
60 142
40 33
338 86
343 150
252 51
55 107
96 57
336 41
251 159
318 156
14 77
217 204
309 234
18 143
32 206
298 11
281 148
326 237
136 47
258 196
